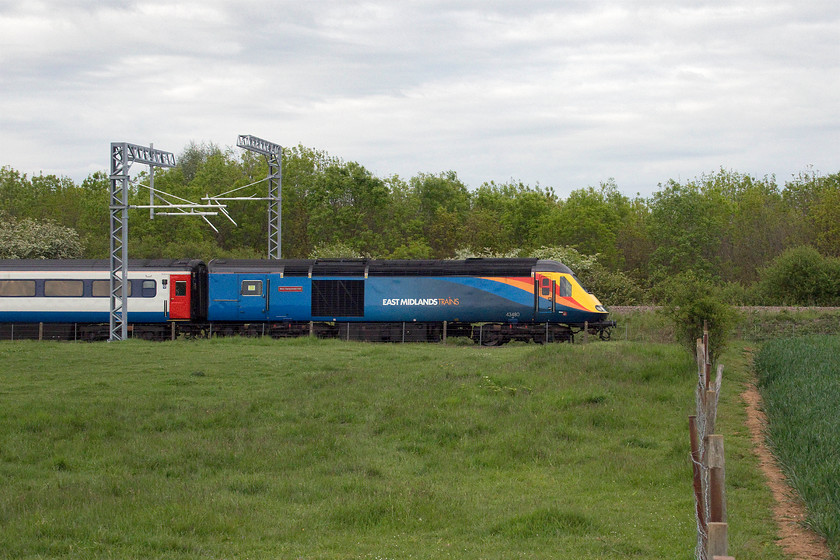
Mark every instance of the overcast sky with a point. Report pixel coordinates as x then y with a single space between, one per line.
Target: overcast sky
564 94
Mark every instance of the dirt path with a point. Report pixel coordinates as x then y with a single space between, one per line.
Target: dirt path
796 540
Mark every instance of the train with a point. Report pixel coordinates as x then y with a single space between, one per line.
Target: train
490 300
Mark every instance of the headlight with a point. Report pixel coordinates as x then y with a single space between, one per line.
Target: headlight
600 308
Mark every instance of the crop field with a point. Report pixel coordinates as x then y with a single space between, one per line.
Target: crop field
799 379
252 448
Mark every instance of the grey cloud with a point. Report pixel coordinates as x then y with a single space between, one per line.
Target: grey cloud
561 94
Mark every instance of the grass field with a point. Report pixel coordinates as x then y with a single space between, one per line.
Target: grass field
753 324
799 379
325 449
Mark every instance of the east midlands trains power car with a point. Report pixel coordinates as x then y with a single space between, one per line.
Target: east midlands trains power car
492 301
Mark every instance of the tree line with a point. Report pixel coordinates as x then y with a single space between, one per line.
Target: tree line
750 239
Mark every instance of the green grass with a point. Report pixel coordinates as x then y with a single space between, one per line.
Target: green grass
760 325
753 324
799 380
642 325
325 449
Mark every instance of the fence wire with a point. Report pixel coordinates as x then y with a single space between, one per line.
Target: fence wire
705 427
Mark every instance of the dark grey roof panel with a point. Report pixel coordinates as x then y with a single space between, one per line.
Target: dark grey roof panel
358 267
90 264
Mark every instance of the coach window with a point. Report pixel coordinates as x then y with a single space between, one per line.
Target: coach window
149 288
102 288
565 287
17 288
251 288
64 288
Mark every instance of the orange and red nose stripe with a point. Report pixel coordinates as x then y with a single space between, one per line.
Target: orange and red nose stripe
527 284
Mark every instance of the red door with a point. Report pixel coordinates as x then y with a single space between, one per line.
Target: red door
179 296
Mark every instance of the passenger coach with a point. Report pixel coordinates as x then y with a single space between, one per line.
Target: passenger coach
78 292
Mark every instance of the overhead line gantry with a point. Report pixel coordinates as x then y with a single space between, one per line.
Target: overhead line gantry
123 155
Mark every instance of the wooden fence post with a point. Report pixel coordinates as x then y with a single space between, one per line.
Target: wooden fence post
698 476
717 540
710 399
717 478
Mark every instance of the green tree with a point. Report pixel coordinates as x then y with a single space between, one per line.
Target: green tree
404 232
508 217
444 202
527 210
633 242
93 224
590 220
486 228
349 205
825 216
168 236
17 198
759 229
194 157
303 170
686 227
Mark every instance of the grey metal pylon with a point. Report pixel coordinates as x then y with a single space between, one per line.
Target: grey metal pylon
274 155
118 255
123 155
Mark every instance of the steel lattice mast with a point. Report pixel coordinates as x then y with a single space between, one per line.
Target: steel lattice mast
123 155
274 155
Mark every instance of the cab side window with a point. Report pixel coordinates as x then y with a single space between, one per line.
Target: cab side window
565 287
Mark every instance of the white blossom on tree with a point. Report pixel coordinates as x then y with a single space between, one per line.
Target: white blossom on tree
30 239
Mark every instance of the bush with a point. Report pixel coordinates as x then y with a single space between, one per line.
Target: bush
412 250
614 287
801 276
692 302
735 293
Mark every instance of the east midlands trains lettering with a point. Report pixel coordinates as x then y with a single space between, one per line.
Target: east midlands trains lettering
433 301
